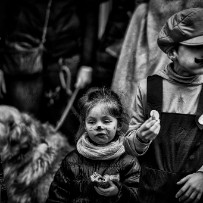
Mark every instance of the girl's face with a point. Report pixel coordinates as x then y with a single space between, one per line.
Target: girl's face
100 125
186 65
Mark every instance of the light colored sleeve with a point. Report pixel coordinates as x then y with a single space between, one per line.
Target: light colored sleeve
132 145
201 169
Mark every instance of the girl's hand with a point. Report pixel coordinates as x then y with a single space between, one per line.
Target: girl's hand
192 188
149 130
112 190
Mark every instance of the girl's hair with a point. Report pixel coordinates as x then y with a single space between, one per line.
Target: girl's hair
106 96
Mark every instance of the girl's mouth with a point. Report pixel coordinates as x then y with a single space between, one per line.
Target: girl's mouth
101 134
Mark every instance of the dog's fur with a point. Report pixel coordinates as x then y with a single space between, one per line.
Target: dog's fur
31 153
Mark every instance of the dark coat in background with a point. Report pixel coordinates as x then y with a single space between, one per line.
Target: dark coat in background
111 41
71 36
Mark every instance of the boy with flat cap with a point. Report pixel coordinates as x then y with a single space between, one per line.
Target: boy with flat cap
166 128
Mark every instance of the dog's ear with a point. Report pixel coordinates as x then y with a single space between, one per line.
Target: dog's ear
20 131
7 127
35 128
27 119
16 134
20 141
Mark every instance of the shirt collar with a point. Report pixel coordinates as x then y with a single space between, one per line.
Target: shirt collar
169 74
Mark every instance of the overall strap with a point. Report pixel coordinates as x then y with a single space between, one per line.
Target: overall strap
199 113
200 104
154 93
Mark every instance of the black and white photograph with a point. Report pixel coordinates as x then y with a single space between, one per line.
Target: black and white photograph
101 101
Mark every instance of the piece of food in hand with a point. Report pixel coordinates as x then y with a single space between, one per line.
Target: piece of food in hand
200 120
102 182
154 114
113 177
99 180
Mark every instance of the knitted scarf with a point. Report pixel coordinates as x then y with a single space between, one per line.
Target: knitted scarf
111 151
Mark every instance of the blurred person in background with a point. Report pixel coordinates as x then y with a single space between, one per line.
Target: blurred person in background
111 40
68 55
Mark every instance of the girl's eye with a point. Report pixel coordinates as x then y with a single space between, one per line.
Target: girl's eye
90 122
107 121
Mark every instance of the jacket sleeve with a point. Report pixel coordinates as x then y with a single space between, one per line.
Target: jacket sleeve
129 182
132 145
60 187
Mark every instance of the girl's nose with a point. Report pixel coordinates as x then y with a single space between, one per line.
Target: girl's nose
99 127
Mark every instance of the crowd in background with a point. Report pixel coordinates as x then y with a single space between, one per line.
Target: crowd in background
77 36
108 43
53 51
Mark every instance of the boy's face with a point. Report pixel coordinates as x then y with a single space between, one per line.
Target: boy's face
185 64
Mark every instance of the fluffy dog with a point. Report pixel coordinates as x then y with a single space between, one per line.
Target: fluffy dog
31 153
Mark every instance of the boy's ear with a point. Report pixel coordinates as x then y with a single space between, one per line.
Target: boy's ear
172 54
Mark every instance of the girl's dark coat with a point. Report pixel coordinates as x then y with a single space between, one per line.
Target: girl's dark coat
72 182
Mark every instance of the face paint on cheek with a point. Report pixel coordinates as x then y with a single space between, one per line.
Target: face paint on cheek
109 130
91 129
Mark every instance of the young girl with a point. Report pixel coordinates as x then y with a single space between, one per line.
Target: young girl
98 170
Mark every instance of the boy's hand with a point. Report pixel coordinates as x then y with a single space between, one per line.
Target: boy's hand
149 130
192 188
112 190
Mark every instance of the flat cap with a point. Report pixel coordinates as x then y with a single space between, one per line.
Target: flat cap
184 27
